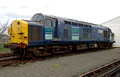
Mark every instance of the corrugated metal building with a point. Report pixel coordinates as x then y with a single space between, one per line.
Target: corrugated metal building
114 24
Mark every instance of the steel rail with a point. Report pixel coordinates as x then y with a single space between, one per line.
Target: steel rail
6 61
2 55
102 69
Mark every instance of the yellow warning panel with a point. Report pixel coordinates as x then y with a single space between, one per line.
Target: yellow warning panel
19 32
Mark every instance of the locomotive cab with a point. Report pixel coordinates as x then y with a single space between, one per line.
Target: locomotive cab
49 24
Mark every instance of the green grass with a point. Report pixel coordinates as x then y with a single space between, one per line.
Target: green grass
2 49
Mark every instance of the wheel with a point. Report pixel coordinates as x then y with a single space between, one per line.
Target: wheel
37 52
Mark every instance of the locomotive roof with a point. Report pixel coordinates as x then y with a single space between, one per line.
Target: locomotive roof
71 20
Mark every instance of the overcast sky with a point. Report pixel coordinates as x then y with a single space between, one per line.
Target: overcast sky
94 11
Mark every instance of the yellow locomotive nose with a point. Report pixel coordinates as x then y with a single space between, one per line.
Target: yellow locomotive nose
18 32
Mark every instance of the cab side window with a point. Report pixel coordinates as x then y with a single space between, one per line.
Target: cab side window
48 23
54 22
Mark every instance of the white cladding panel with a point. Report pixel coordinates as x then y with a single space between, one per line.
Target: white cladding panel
114 25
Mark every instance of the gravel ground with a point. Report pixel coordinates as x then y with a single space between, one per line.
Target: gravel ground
68 66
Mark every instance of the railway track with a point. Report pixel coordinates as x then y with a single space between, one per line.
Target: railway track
108 70
6 59
2 55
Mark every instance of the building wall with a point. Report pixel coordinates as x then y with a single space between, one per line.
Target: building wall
5 39
114 25
116 31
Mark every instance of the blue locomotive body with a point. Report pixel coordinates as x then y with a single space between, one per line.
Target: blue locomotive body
54 30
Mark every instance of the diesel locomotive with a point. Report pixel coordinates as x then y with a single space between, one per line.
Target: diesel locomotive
45 35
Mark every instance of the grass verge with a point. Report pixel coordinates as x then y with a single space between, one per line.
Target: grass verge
2 49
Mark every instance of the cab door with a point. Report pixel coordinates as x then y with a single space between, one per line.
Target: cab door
55 30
